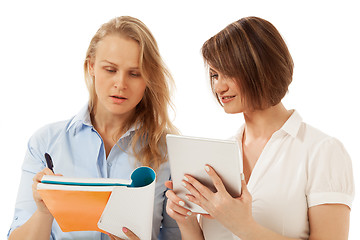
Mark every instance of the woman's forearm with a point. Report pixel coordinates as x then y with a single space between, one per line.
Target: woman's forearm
38 227
255 231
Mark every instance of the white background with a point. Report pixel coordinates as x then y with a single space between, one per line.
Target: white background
43 45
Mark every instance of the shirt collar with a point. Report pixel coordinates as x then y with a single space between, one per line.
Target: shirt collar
80 119
292 125
129 132
83 119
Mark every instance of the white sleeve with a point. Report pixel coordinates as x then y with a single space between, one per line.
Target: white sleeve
330 175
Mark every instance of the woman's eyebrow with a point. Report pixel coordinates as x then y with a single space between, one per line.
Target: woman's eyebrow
212 70
134 68
106 61
115 65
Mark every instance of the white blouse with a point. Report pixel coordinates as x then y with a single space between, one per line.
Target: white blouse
300 167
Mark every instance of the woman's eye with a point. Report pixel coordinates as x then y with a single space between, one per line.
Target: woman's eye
110 69
134 74
214 76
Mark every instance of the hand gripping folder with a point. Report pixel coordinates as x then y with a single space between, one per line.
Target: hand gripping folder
102 204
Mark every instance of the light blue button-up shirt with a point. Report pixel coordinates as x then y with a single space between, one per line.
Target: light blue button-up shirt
77 150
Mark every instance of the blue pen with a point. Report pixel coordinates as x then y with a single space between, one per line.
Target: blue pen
49 162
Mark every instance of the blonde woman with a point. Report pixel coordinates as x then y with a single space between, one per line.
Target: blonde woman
122 126
297 181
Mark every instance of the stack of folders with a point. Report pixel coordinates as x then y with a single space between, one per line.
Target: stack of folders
102 204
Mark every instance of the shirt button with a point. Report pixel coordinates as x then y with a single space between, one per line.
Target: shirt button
109 164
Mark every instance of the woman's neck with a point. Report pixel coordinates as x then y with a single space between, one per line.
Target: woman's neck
107 124
263 123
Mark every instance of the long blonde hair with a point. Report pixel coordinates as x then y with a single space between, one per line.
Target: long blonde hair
151 117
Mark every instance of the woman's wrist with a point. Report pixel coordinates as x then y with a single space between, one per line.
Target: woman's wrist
247 230
190 222
190 229
44 215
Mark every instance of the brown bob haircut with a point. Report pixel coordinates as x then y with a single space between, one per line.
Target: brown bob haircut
252 52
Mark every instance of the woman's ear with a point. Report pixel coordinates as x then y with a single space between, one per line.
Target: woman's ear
91 67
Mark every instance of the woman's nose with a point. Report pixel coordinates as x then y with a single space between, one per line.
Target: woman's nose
120 81
220 85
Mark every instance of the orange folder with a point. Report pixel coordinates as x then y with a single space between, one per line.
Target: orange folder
79 204
75 210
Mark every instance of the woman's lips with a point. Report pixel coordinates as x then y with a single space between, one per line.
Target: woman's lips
118 99
226 99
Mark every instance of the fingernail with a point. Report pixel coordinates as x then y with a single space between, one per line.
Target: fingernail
183 183
185 178
242 177
207 168
181 203
124 229
189 213
187 197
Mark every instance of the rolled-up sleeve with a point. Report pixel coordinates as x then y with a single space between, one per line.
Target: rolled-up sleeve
25 205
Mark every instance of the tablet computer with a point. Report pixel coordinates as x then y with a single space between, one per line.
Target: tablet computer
189 155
